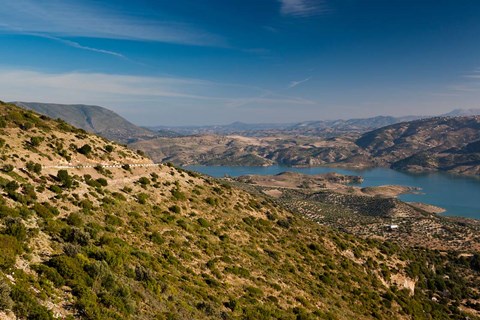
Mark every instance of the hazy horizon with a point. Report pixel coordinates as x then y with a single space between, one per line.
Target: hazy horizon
186 125
216 62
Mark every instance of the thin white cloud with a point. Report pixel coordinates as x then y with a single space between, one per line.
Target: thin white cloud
73 18
473 76
302 8
293 84
99 88
77 45
466 87
470 83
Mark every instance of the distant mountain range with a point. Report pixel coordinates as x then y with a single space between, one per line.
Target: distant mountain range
110 125
323 128
93 119
449 144
235 127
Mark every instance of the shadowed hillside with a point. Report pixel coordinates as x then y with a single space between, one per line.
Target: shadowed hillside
94 119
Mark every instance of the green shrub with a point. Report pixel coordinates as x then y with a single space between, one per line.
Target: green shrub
157 238
11 186
102 181
144 181
211 201
49 273
175 209
9 249
34 167
35 141
56 189
26 306
178 195
5 300
64 178
8 168
113 220
85 149
203 222
75 219
142 198
45 210
15 227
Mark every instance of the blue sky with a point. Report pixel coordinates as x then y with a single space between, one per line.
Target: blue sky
215 61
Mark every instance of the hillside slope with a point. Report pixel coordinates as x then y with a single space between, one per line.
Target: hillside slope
94 119
444 143
91 230
448 144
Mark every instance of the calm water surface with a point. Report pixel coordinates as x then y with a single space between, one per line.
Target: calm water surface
460 196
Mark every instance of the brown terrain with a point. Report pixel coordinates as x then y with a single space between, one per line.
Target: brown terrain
372 212
448 144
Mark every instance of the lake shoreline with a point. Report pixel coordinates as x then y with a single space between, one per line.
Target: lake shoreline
347 166
456 194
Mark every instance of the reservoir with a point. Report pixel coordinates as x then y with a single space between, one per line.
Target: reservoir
459 195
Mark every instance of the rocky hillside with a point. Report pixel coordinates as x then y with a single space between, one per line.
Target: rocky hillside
251 151
445 143
91 230
449 144
95 119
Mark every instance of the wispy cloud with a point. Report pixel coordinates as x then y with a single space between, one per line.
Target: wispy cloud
302 8
77 45
97 88
293 84
73 18
473 76
469 84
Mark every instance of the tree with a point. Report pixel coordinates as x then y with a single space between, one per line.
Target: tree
34 167
35 141
11 186
8 168
64 178
85 149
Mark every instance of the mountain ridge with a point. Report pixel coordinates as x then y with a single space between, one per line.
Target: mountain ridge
447 144
96 119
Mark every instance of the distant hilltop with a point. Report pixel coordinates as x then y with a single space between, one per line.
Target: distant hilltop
95 119
323 128
463 112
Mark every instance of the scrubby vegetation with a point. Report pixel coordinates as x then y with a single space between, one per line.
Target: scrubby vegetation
163 243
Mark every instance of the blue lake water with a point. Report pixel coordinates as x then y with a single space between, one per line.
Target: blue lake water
460 196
